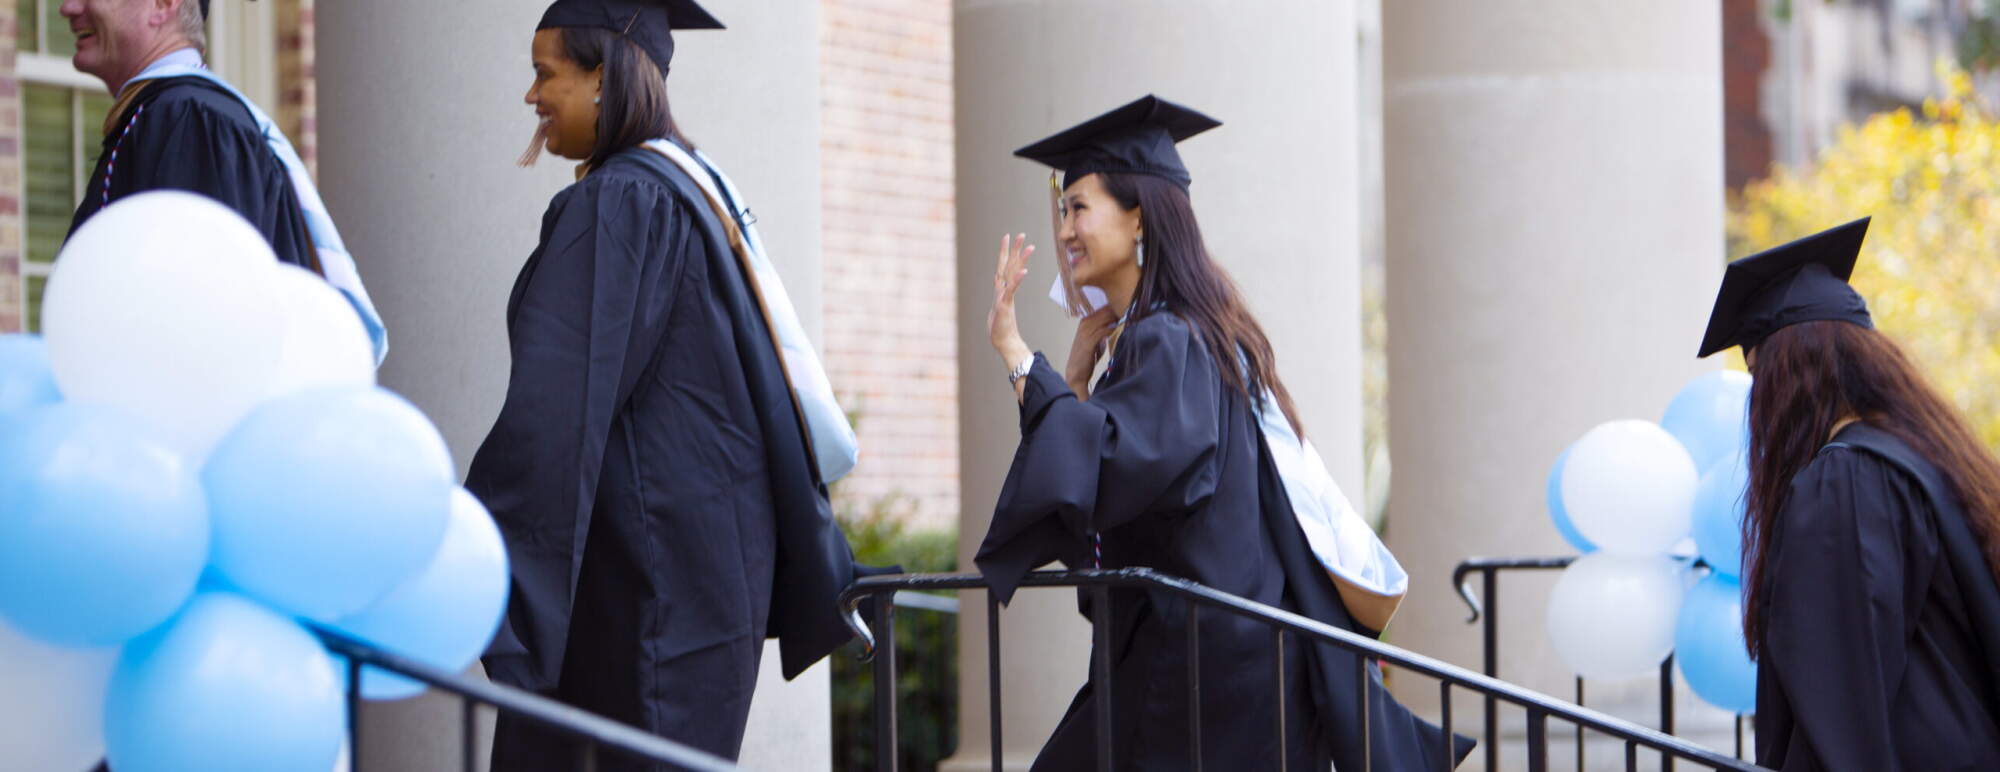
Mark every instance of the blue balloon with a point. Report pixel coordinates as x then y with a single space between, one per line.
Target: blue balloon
1559 513
25 378
1708 645
325 500
103 530
446 614
1718 514
1711 416
228 686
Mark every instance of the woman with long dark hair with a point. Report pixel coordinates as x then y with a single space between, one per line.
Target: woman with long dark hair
662 506
1873 530
1185 457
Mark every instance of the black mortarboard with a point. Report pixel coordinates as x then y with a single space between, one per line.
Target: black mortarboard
649 23
1137 138
1804 281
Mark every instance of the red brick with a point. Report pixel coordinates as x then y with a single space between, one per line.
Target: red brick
889 240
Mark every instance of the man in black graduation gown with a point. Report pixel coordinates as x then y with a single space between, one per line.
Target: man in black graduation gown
179 133
176 126
650 473
1880 647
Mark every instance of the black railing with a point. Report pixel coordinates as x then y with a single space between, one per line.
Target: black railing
593 734
1540 708
1489 570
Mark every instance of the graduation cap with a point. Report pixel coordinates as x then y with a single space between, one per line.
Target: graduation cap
649 23
1804 281
1135 139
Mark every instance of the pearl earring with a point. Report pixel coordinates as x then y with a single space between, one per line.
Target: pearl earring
597 100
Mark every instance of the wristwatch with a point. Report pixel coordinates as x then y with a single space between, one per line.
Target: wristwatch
1021 370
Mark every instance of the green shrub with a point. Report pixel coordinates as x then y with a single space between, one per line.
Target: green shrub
926 650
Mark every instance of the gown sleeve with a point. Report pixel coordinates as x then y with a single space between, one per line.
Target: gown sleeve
1144 444
587 313
1839 617
181 142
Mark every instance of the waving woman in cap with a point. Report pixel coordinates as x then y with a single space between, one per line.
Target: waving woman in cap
1872 533
660 500
1187 457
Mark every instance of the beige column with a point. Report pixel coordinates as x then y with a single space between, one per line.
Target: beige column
421 119
1554 205
1275 189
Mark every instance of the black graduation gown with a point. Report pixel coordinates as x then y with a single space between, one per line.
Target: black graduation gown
192 135
1881 645
1167 464
650 476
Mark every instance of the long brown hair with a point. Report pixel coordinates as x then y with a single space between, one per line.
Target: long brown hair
1809 377
634 107
1180 276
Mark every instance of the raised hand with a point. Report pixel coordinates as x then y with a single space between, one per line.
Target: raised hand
1001 327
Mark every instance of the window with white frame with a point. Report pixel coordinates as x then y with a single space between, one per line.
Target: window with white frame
63 111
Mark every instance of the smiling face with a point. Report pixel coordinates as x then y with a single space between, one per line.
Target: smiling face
564 97
116 39
1099 237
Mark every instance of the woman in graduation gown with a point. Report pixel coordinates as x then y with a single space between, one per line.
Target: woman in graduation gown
660 504
1871 603
1164 465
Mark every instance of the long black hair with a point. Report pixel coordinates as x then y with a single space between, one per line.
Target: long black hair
1809 377
1180 277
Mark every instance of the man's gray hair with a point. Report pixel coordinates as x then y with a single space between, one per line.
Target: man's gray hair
193 26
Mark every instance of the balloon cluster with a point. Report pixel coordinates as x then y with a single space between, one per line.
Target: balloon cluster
1628 495
194 461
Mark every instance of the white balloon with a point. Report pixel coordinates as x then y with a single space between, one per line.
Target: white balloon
52 701
325 344
1629 488
1613 616
162 305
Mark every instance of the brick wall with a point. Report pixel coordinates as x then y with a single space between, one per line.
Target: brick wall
1746 55
889 248
11 310
298 104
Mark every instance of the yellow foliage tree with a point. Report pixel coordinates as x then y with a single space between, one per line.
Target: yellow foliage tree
1930 268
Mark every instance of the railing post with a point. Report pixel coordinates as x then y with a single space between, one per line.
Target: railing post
1579 727
1667 709
1444 708
353 715
993 674
1278 673
1194 683
1538 741
1489 584
885 684
1367 730
1100 624
469 716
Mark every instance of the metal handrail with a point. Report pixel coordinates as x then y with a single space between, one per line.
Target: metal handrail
1540 707
1488 617
590 730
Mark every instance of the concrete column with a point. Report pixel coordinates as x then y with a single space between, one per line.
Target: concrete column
1555 239
1275 189
421 119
